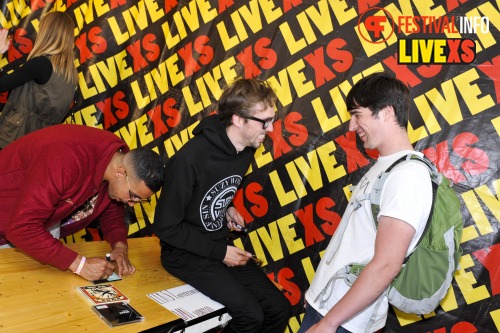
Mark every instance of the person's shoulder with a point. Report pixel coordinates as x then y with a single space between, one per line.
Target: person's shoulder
401 167
40 68
415 165
411 174
195 148
39 61
76 134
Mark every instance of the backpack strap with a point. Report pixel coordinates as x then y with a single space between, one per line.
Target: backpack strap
348 273
373 197
376 194
339 233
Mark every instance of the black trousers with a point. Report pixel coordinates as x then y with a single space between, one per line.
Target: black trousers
252 300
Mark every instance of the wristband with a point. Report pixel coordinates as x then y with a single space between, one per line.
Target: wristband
79 269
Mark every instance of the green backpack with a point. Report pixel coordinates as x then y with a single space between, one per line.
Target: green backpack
427 272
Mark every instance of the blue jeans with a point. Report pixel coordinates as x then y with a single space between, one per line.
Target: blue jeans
312 317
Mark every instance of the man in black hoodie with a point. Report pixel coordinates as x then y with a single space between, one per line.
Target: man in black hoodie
193 216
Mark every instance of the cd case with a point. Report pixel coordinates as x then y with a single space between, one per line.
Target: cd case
102 294
115 314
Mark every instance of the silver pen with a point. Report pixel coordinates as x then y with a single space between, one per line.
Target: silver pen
242 228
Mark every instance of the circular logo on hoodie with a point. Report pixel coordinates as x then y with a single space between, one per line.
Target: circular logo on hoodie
214 204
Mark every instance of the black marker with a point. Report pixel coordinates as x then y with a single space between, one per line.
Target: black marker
108 257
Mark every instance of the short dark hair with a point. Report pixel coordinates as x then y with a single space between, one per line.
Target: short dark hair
239 97
379 90
148 167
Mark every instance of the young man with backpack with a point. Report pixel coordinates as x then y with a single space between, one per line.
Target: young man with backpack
379 106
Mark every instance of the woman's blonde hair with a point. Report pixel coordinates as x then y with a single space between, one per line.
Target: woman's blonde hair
56 39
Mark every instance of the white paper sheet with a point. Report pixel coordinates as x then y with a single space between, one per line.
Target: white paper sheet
188 303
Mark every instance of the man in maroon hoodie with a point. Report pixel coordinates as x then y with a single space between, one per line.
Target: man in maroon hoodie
57 180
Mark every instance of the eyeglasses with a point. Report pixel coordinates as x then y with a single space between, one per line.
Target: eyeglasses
265 122
133 197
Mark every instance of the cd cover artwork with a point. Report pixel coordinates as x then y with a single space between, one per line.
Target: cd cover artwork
102 294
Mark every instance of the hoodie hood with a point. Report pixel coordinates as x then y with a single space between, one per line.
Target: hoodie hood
212 128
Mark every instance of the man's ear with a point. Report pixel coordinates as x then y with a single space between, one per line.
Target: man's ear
237 120
388 113
120 172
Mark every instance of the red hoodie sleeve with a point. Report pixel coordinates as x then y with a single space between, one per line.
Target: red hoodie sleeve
35 204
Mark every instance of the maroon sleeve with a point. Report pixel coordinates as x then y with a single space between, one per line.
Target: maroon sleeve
35 204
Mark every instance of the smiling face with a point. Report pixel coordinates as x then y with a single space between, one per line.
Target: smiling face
379 105
367 126
253 133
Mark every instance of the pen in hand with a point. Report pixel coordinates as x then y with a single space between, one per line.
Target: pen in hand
108 258
105 277
242 228
257 261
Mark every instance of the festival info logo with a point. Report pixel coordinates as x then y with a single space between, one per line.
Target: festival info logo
376 25
214 204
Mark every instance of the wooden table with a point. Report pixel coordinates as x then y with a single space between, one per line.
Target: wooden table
41 298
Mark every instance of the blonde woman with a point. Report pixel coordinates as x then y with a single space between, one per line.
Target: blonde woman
42 89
